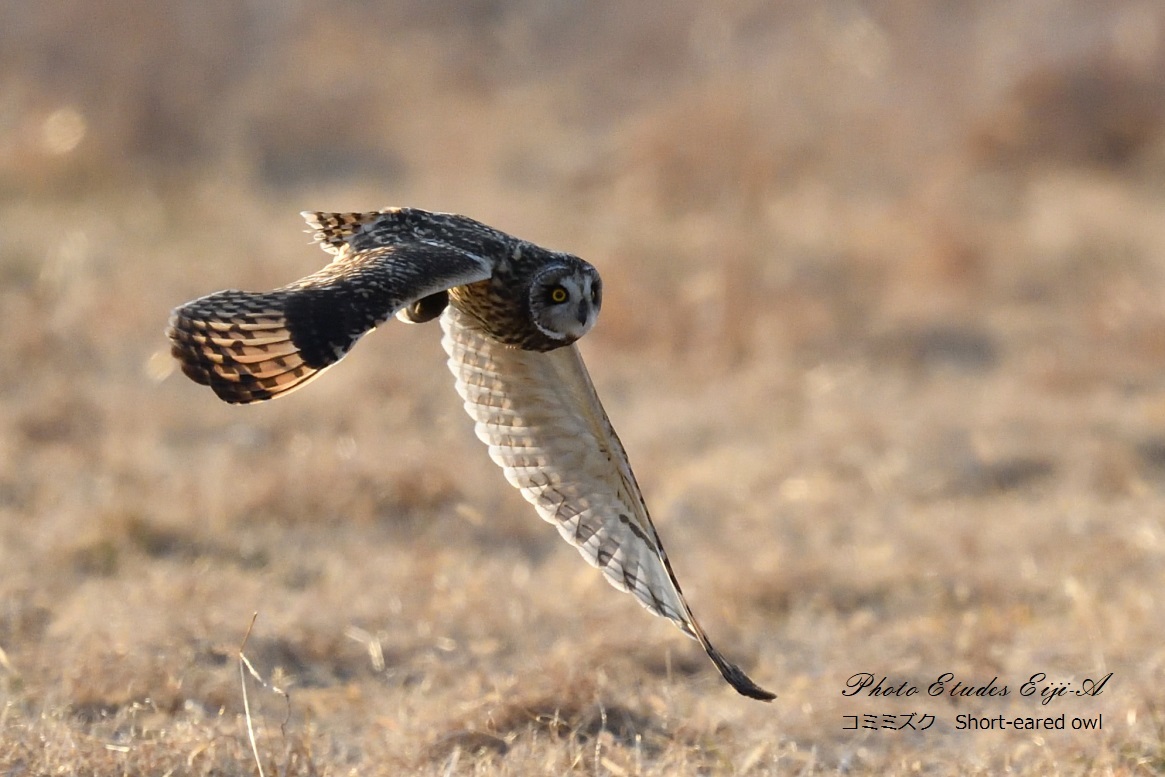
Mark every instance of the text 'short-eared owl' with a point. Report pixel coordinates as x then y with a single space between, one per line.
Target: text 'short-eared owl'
511 312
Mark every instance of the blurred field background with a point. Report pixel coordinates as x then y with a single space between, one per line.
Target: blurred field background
883 333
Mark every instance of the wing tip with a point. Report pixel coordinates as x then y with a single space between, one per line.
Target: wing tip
733 674
236 391
212 366
744 685
740 682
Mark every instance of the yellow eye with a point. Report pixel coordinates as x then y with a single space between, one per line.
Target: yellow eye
558 294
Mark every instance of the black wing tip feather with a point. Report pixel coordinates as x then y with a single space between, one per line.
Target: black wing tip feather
736 677
744 685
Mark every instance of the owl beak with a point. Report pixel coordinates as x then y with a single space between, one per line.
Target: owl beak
584 312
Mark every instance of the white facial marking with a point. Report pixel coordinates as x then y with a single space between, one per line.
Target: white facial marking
573 317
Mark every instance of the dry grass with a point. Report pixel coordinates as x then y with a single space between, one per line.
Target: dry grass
883 334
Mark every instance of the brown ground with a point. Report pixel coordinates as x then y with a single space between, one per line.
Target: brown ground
884 335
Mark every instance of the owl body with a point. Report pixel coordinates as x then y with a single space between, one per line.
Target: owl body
511 312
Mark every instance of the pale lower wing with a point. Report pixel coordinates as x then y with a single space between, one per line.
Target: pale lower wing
544 425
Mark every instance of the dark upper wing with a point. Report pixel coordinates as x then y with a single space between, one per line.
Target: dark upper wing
250 346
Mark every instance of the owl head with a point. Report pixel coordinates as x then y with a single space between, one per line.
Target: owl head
565 297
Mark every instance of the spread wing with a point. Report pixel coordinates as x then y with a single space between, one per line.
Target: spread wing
544 425
250 346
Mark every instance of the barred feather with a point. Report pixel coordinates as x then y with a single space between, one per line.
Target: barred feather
250 346
546 428
238 343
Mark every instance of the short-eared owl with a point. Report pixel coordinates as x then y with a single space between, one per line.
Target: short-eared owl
511 312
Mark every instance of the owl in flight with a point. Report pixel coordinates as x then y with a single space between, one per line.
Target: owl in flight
511 312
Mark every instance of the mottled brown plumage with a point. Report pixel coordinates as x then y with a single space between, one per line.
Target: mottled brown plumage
511 312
